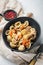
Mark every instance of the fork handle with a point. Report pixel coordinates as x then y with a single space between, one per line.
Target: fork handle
33 61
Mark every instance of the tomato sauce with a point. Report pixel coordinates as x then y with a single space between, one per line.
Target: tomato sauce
10 15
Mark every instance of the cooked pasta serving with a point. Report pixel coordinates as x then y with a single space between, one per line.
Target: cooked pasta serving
20 35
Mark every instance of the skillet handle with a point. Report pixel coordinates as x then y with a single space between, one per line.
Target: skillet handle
1 15
33 61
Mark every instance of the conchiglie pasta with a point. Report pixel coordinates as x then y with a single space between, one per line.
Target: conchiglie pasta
26 23
12 45
17 24
24 31
13 35
9 38
26 36
21 48
7 32
11 27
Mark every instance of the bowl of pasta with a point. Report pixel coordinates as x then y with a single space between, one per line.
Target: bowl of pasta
21 34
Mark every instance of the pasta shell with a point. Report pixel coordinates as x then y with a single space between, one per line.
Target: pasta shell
17 24
26 23
24 31
7 32
12 45
21 48
9 38
11 27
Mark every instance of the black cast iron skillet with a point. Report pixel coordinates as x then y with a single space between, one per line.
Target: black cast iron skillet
32 23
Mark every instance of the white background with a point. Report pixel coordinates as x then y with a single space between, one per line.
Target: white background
36 7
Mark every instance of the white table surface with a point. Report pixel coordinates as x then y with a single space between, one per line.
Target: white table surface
36 7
